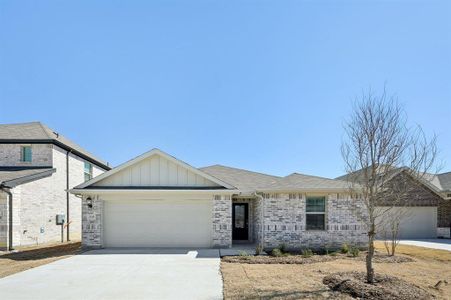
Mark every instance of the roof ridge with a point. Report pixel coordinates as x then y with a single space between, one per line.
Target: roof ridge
260 173
315 176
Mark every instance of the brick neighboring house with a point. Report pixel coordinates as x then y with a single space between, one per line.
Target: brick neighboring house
442 183
37 168
426 209
156 200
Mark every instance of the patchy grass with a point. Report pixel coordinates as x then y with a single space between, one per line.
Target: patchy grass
31 257
305 281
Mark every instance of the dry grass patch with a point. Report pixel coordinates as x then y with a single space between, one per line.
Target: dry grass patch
27 258
304 281
421 252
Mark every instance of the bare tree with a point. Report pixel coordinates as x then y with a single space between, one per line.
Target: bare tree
377 146
391 228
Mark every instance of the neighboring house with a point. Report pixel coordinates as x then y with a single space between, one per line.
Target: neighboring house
156 200
442 183
418 207
37 168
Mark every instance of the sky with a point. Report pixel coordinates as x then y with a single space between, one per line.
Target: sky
259 85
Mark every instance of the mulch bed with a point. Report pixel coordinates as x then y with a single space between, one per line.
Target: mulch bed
290 259
299 259
385 287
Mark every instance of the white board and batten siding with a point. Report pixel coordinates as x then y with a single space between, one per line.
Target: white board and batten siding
156 171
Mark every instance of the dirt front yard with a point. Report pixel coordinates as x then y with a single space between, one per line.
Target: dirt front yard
28 258
305 281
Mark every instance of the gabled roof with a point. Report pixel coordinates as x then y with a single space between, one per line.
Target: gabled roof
298 181
431 181
93 183
243 179
13 176
36 132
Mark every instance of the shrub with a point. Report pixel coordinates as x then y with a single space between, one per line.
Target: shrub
307 253
243 253
276 252
345 248
333 253
354 251
283 248
258 249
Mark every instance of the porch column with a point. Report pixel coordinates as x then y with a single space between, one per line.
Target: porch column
92 222
222 221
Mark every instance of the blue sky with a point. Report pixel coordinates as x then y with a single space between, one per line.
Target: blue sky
262 85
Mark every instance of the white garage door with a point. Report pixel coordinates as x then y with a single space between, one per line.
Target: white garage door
417 222
157 223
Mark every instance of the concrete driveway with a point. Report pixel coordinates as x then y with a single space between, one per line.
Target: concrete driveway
442 244
122 274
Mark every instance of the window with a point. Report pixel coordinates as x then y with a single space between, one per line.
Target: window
25 155
88 171
315 213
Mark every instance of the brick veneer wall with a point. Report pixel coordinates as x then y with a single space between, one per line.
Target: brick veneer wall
284 222
10 155
37 203
222 221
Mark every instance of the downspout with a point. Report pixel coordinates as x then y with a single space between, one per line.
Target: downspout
262 240
10 217
67 196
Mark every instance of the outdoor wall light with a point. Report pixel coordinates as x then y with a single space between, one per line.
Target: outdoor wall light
89 202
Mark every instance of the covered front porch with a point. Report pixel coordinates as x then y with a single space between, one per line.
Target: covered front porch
246 222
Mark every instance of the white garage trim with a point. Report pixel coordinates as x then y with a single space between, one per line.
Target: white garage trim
158 223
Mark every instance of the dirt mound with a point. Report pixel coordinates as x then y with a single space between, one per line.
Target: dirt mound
291 259
385 287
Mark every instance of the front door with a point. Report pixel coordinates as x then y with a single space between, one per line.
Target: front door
240 215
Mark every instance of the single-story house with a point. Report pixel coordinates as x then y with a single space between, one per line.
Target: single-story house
156 200
421 208
442 184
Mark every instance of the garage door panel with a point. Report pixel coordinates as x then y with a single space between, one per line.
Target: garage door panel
416 222
157 223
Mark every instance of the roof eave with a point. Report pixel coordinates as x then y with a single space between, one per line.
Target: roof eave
59 144
26 179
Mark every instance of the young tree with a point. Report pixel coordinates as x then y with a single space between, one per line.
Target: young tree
377 145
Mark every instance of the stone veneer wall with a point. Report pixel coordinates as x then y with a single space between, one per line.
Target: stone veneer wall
92 220
284 222
222 221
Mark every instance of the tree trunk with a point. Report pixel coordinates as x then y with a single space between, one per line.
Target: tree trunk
369 256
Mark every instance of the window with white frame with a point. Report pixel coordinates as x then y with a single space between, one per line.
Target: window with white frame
88 171
25 153
315 213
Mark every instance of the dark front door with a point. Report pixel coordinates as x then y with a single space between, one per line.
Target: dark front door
240 215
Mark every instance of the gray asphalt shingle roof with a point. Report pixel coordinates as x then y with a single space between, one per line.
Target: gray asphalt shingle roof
252 181
298 181
36 131
11 177
242 179
441 181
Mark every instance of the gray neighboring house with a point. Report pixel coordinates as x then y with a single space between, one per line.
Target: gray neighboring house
156 200
37 168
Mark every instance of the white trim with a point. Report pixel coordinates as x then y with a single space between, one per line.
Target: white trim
148 154
100 191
